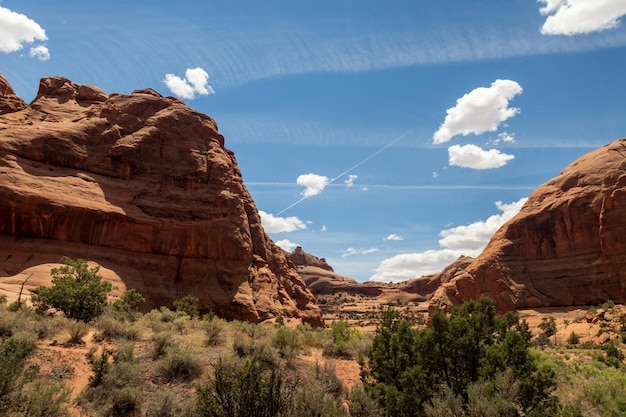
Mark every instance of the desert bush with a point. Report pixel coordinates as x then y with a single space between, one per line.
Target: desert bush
112 328
76 330
573 338
214 330
180 364
126 402
124 353
48 327
46 400
345 342
319 393
77 290
286 341
246 346
131 301
160 343
362 405
100 368
248 388
408 367
182 324
187 305
13 353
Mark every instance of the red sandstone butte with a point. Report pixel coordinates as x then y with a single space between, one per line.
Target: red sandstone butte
143 186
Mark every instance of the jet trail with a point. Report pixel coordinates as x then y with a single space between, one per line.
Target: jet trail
347 171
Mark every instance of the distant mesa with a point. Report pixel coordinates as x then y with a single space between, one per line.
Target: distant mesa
322 280
143 186
566 247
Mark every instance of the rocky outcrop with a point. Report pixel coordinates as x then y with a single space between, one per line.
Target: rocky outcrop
567 246
142 185
322 280
9 102
300 258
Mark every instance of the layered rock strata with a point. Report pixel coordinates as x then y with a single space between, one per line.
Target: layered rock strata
142 185
566 247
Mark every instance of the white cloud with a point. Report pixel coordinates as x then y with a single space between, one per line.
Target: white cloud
40 52
467 240
17 29
194 83
350 181
323 228
361 251
504 137
572 17
314 184
472 156
286 245
273 224
475 236
394 236
479 111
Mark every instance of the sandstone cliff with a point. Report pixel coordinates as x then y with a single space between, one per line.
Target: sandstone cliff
567 246
142 185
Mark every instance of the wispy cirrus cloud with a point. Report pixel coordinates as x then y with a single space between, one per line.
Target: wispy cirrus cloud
393 236
361 251
574 17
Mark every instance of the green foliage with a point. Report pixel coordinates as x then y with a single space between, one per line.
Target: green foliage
573 338
77 290
100 368
180 364
247 388
77 330
126 402
13 353
160 343
130 301
548 326
47 400
214 330
409 367
187 305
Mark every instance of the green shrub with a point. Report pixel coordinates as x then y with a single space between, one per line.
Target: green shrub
100 368
47 400
77 330
407 368
160 343
248 388
187 305
180 365
287 342
126 402
131 301
77 290
13 353
215 331
573 338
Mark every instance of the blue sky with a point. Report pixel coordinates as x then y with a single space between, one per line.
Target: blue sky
388 137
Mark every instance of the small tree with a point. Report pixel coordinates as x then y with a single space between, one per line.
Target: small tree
77 290
187 305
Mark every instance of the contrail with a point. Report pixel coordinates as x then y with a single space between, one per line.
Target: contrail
347 171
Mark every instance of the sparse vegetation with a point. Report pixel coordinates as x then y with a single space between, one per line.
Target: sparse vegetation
470 363
77 291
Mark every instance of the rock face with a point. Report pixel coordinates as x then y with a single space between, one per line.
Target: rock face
566 247
142 185
9 102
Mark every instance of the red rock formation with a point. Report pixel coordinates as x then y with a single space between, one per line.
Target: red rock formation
142 185
567 246
322 280
9 102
